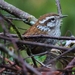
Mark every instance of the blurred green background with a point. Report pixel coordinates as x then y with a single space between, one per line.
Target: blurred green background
40 7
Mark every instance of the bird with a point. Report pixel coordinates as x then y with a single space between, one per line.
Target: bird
48 24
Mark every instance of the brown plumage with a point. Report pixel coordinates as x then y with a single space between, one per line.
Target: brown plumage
48 24
33 30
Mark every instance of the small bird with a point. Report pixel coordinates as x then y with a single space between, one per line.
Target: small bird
48 24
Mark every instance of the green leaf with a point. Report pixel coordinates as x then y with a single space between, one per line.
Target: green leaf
41 58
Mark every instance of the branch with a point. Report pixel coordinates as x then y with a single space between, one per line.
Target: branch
41 36
58 7
14 27
69 50
27 18
4 49
34 43
71 64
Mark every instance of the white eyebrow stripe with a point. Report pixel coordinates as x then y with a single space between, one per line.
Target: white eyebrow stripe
46 19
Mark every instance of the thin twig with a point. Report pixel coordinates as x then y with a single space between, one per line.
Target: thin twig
6 30
14 27
71 64
42 64
34 43
43 53
69 50
4 49
58 7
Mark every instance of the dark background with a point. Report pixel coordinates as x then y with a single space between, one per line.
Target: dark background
40 7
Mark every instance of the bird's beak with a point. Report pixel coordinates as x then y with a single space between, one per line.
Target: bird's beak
63 16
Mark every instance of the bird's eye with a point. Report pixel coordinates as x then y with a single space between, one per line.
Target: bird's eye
52 19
